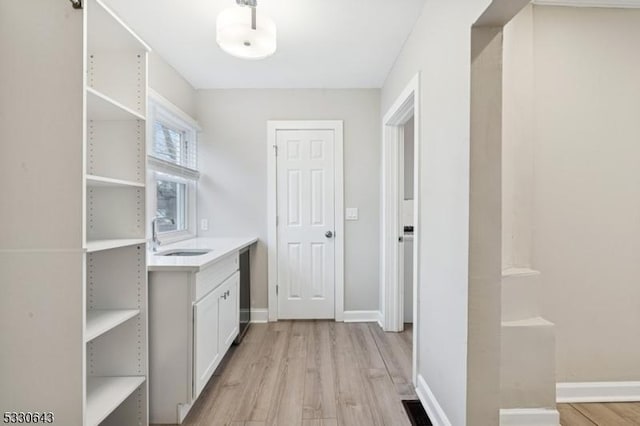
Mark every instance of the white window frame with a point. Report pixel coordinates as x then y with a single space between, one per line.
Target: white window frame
160 109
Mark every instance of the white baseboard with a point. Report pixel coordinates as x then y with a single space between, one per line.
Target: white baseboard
598 392
529 417
430 403
259 315
361 316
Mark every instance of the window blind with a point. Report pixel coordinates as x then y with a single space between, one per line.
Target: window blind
173 146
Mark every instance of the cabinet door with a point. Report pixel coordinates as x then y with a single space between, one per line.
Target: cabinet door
206 341
229 311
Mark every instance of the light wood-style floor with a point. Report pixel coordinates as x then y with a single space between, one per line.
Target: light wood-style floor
310 373
608 414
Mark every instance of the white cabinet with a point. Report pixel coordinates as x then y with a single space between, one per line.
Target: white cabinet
229 311
193 320
216 323
206 339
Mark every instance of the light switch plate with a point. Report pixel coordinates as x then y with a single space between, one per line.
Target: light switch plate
352 213
204 225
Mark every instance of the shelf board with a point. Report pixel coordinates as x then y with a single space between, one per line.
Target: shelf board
102 107
101 181
99 245
105 394
108 32
100 321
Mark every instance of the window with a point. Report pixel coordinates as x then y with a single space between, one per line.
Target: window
171 204
172 144
172 159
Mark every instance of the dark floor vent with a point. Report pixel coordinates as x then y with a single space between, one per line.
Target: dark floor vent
416 413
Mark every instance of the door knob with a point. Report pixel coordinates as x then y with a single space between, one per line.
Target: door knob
328 234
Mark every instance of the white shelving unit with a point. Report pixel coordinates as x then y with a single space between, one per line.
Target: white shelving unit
116 286
73 261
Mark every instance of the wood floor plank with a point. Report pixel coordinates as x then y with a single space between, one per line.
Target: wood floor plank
256 371
627 410
320 422
386 406
569 416
258 407
407 334
396 355
603 414
352 404
229 386
287 408
255 337
364 347
214 386
320 390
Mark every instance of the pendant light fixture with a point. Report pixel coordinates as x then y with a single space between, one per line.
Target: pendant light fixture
242 33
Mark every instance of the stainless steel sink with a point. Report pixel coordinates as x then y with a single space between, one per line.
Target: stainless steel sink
184 252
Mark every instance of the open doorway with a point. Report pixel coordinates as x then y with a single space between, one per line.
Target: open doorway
407 162
400 214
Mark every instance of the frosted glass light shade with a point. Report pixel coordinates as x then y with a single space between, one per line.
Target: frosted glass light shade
236 37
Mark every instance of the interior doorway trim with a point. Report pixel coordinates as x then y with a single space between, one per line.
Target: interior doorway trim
272 211
391 266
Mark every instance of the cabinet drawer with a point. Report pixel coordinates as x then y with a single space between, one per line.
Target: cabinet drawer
214 275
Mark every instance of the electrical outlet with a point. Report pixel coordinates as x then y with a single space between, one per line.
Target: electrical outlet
204 224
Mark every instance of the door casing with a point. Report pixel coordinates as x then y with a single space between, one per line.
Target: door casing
272 202
391 255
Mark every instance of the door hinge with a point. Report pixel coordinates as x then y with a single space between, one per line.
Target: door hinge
275 148
277 220
277 289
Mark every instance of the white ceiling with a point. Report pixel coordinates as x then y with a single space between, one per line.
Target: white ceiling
321 43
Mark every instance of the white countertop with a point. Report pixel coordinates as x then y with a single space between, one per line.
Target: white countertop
220 247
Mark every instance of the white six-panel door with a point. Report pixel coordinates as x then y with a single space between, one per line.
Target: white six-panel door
306 223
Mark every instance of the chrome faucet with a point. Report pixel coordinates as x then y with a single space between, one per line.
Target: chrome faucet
155 242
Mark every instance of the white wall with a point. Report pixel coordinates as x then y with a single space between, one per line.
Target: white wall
233 161
164 79
518 141
587 188
439 48
409 157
